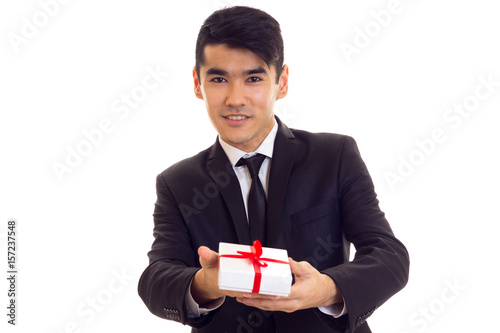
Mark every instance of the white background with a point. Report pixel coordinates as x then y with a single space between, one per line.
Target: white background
76 234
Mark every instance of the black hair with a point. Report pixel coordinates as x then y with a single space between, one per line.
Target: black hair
243 27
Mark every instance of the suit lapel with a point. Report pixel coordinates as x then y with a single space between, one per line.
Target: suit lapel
285 148
219 167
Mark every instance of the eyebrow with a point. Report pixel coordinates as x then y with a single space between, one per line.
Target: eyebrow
222 72
258 70
217 71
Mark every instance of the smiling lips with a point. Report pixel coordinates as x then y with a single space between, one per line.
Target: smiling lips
236 117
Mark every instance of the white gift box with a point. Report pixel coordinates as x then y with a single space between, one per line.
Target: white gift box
240 272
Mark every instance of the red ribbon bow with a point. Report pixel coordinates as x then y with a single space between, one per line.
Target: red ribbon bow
256 260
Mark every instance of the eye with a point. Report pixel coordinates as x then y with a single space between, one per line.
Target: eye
254 79
218 80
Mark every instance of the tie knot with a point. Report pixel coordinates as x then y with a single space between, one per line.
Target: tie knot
253 163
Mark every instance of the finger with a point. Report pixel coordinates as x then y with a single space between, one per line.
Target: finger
285 305
207 256
299 268
259 296
293 263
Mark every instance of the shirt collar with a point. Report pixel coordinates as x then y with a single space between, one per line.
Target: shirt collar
266 147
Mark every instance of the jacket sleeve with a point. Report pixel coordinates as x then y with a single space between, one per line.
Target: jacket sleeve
380 267
172 262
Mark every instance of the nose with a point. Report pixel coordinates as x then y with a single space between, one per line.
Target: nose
236 95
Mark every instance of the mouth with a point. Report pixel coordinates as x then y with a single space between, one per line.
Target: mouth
238 117
236 120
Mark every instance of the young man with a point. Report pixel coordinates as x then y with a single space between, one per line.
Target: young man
316 197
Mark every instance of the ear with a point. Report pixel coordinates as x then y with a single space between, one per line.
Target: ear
283 83
197 84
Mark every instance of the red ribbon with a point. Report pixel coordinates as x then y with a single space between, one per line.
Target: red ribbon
256 260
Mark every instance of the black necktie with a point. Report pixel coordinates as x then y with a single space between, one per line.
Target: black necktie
256 197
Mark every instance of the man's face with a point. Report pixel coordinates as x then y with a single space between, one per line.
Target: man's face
239 91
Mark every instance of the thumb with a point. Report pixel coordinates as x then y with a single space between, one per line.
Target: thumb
208 258
299 268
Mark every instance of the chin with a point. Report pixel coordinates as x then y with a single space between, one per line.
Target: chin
236 141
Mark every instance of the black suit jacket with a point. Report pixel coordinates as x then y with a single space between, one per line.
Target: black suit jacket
320 199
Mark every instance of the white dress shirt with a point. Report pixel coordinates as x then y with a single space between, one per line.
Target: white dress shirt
234 155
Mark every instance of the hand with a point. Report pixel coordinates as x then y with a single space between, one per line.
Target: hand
205 285
311 289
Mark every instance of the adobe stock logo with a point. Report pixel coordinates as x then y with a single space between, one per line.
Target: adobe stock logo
363 37
326 248
453 117
122 107
88 310
421 319
202 196
30 28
